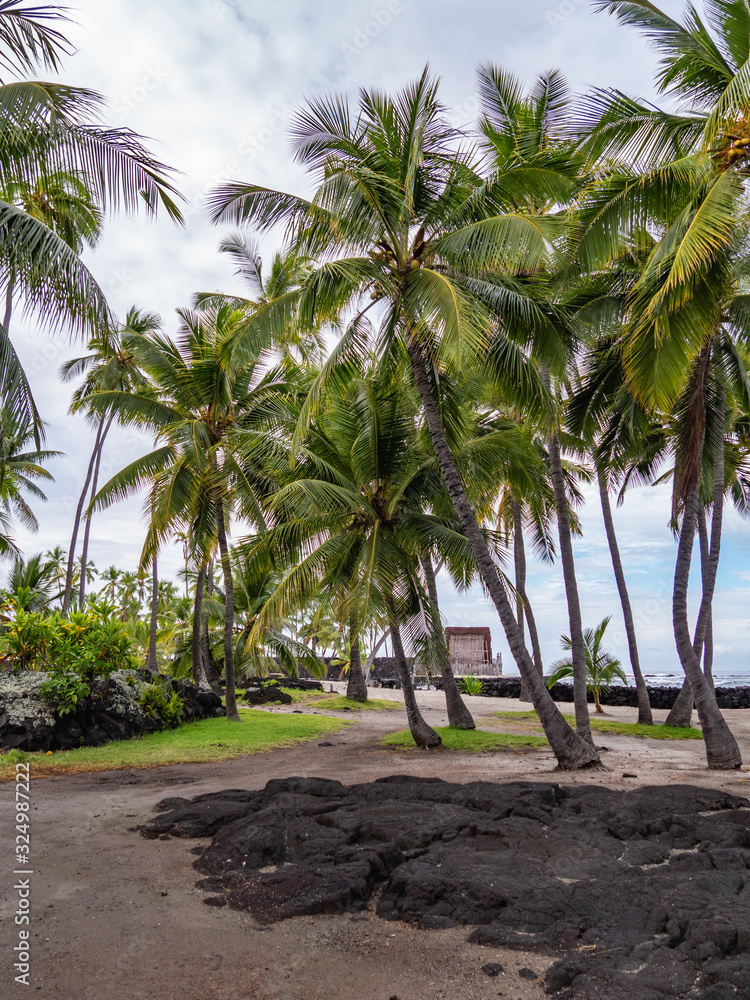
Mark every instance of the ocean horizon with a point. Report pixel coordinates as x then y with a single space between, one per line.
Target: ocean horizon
725 680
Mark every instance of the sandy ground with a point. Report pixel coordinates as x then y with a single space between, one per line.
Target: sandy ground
116 916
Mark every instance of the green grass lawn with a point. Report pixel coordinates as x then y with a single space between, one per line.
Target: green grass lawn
337 702
192 743
657 732
471 740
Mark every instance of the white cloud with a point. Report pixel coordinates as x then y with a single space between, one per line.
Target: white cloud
209 80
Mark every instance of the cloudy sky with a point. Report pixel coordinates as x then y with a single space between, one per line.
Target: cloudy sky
213 84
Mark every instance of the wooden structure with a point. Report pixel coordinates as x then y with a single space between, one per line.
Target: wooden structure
470 650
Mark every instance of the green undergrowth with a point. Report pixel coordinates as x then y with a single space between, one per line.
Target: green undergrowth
192 743
656 732
468 740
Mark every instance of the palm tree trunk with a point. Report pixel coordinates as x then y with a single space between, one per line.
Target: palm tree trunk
578 648
645 716
8 302
77 521
571 751
707 651
199 673
524 605
681 712
208 665
151 661
90 513
226 565
722 752
373 653
459 715
424 735
356 689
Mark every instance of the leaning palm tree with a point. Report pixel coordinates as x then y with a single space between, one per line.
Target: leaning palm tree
676 181
210 421
413 237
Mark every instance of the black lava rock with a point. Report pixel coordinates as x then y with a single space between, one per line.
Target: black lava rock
642 893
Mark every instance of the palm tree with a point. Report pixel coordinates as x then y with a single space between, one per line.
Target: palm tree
352 527
601 668
48 131
676 179
32 583
111 364
211 420
20 469
111 577
406 226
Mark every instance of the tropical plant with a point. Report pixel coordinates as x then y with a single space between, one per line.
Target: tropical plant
671 184
353 522
49 137
110 364
601 668
211 419
409 233
20 469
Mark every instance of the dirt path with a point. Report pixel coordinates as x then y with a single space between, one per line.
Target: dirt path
116 916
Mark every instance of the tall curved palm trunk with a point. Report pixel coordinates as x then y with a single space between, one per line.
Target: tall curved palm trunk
572 752
722 752
708 637
424 735
645 716
578 647
681 712
151 661
226 565
458 714
90 513
198 669
77 520
523 605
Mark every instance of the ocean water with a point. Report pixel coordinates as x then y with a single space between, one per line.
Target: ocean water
737 679
675 680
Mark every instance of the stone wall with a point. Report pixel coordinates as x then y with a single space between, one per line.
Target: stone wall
115 713
660 697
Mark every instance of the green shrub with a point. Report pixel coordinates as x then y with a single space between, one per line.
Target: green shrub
155 703
75 650
469 685
63 691
27 639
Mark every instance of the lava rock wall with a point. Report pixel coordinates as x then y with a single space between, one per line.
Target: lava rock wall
114 712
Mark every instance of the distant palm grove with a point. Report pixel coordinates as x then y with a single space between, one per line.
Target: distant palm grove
460 326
